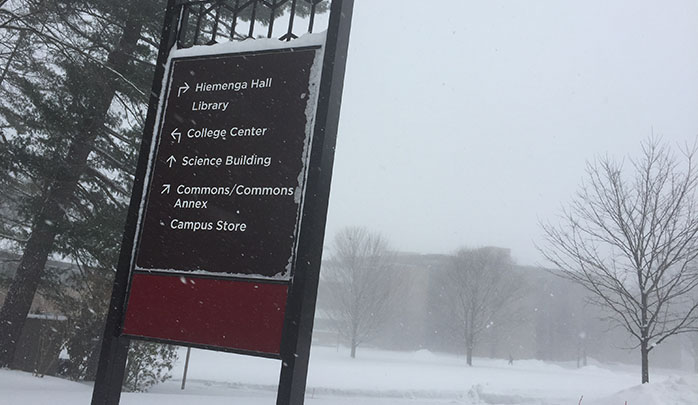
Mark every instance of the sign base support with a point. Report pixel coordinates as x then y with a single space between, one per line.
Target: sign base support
111 372
114 350
295 348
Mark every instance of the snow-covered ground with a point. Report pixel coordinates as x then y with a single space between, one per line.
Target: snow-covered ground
379 378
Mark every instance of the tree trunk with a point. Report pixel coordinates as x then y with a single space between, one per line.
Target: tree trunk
470 335
644 352
644 332
354 345
469 344
10 59
47 223
25 283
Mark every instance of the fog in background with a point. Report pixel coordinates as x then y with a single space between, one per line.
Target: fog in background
465 124
468 125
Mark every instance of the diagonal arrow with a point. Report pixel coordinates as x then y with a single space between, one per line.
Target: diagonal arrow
176 135
165 189
171 160
183 89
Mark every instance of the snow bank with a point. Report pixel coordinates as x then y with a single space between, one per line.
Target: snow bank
376 378
18 387
674 390
423 374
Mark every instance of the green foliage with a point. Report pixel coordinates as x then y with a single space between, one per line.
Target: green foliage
82 297
53 89
148 364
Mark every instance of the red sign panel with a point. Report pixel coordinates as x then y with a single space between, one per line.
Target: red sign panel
247 316
218 229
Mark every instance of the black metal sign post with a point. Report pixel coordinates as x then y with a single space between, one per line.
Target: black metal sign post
112 359
295 350
184 20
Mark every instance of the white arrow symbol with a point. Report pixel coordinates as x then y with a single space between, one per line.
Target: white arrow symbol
183 89
165 189
176 135
171 160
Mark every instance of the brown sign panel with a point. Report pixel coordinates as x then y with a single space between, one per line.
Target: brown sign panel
228 170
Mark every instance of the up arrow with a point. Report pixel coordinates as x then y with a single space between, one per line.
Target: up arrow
176 135
183 89
171 160
165 189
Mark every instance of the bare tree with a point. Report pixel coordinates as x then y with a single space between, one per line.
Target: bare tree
629 238
360 282
481 288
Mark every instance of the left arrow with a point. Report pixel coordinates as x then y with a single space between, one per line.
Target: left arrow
176 135
171 160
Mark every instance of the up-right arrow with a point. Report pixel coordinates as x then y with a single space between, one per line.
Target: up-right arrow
171 160
165 189
183 89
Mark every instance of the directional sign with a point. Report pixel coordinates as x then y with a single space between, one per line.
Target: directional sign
233 155
226 188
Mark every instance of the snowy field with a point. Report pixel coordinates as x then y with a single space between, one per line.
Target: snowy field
379 378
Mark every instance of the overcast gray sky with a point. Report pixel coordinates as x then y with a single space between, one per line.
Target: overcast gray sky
467 126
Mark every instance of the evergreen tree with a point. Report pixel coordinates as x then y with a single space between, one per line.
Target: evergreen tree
148 364
72 106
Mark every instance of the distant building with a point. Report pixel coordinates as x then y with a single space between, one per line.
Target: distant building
553 323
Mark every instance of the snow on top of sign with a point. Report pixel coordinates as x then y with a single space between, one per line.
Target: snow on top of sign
50 317
249 45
